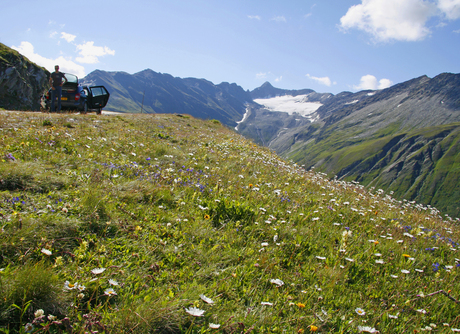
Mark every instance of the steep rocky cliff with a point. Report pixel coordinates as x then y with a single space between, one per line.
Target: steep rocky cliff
22 82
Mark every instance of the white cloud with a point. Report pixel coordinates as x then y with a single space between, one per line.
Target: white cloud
451 8
65 65
90 53
279 79
254 17
369 82
261 75
310 14
457 31
279 19
323 81
385 83
386 20
68 37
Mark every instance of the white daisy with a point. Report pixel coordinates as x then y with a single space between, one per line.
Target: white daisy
267 303
38 313
206 299
213 326
360 311
97 271
277 282
70 286
28 327
110 292
196 312
367 329
46 251
113 282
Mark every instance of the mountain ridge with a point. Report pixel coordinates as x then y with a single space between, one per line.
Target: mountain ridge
404 139
371 136
153 92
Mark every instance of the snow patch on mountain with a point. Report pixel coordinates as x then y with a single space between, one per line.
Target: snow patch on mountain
291 104
246 115
352 102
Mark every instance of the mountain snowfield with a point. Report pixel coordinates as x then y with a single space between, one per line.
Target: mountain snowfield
291 104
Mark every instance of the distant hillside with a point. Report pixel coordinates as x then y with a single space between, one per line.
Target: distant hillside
403 139
152 92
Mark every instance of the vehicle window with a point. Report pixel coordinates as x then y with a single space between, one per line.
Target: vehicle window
97 91
71 78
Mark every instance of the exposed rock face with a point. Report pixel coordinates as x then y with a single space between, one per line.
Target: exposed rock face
22 83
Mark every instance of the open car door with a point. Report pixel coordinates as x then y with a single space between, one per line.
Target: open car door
97 98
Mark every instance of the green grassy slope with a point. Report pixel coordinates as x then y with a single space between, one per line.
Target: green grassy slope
167 224
420 165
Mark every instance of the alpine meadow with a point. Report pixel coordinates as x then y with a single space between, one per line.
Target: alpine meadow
164 223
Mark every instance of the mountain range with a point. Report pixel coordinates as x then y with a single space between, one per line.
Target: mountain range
151 92
404 139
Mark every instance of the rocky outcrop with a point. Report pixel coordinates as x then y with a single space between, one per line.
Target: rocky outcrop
22 83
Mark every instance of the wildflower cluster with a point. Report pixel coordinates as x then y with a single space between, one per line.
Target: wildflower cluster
150 223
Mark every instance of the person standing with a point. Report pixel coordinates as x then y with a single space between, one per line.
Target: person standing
56 87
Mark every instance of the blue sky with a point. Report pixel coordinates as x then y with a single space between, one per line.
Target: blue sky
325 45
